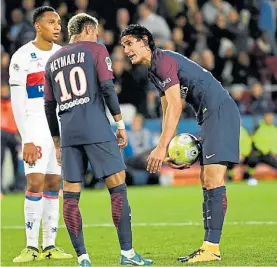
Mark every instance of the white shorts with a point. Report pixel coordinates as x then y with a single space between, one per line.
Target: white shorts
47 162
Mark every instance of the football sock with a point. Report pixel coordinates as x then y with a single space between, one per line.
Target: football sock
121 214
73 221
214 248
128 253
33 207
217 206
83 257
204 208
50 218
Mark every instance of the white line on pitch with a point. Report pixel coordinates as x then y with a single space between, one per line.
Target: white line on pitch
158 224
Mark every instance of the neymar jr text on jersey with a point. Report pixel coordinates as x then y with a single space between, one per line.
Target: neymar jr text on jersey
70 59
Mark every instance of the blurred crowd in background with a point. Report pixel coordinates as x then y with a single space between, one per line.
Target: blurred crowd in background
233 39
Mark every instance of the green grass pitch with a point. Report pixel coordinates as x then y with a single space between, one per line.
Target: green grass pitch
167 223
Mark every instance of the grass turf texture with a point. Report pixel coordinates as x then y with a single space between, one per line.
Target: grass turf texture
244 240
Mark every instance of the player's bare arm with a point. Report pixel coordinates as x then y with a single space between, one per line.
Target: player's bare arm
164 107
168 161
173 110
56 140
172 115
121 134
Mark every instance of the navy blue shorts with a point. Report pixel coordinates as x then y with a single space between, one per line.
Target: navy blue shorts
105 159
220 134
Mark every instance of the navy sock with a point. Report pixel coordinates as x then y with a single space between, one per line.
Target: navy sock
73 221
204 208
217 206
121 213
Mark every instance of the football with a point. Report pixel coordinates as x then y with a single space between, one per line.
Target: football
184 148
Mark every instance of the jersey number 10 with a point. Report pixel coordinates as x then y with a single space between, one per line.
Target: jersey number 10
73 84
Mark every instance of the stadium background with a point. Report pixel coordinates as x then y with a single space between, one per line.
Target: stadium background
235 40
166 221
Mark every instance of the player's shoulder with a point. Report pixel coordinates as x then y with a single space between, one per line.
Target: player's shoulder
101 47
99 52
25 48
97 48
163 61
23 52
54 52
56 47
158 54
95 45
163 56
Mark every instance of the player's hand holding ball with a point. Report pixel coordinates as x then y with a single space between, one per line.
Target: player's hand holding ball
170 162
30 153
183 150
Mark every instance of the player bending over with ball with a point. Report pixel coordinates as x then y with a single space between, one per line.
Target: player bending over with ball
179 79
79 78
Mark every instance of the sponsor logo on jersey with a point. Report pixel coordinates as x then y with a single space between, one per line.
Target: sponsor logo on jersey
109 63
76 102
39 65
33 55
35 91
35 84
16 67
163 84
184 91
29 225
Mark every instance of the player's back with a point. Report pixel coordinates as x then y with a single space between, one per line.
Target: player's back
27 69
75 74
198 86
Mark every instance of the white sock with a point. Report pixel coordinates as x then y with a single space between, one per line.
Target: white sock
128 253
83 257
211 244
50 218
33 206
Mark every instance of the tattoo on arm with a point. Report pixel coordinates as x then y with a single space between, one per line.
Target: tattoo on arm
56 140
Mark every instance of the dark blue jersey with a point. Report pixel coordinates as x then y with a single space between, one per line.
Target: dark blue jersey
198 86
73 77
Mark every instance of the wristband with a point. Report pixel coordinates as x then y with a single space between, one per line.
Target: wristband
120 125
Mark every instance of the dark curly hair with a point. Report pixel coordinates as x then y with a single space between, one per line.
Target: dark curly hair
139 32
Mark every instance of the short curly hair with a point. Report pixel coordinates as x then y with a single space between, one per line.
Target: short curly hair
139 32
38 13
77 23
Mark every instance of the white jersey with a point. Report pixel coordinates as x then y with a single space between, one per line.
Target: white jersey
27 71
27 95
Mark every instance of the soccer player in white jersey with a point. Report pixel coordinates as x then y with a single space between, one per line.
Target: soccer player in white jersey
39 155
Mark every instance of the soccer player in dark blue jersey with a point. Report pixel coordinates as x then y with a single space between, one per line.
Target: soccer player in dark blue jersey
79 78
179 79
